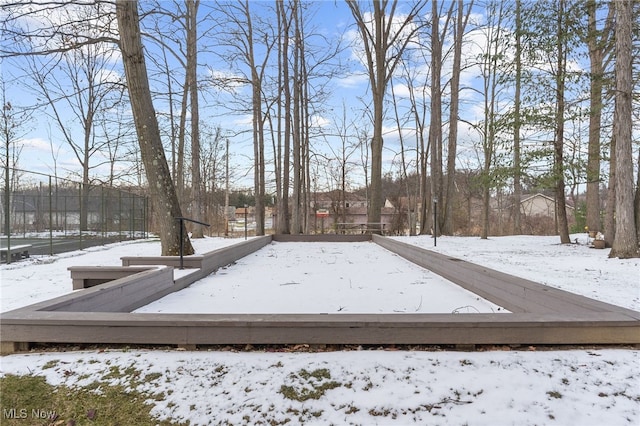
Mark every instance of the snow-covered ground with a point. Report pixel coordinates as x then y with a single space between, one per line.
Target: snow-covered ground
500 387
323 277
577 267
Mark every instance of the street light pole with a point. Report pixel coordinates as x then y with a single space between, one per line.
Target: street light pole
245 221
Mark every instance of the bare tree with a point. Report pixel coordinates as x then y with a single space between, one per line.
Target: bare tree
385 34
249 46
82 81
13 126
161 186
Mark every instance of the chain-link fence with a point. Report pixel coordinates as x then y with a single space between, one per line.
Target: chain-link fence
54 215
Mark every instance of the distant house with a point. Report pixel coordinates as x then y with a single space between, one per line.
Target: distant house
334 210
540 205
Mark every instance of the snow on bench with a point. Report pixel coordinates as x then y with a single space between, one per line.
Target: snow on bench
16 252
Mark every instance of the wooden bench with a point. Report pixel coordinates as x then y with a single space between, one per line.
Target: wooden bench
89 276
16 252
361 228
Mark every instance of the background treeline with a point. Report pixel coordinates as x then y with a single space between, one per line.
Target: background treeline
518 94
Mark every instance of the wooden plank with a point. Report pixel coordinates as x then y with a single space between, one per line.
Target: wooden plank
90 276
321 329
189 262
225 256
513 293
121 295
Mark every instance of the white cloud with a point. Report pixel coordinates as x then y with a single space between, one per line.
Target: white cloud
353 80
37 144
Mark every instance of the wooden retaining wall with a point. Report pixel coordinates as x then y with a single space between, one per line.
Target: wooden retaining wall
513 293
541 315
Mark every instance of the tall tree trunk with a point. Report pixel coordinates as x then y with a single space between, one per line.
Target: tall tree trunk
296 226
181 137
192 71
517 119
595 118
378 86
461 22
625 243
306 125
561 207
490 77
435 126
610 209
282 226
161 188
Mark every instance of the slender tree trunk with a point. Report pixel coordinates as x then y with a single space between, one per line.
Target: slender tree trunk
595 119
296 227
625 243
377 88
305 122
181 137
435 126
192 71
283 198
490 82
561 208
610 210
517 186
162 191
461 21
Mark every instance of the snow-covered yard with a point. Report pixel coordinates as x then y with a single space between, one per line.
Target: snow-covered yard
582 386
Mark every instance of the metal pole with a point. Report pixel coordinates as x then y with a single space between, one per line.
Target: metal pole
119 215
50 218
181 244
435 222
245 221
80 211
226 194
103 213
